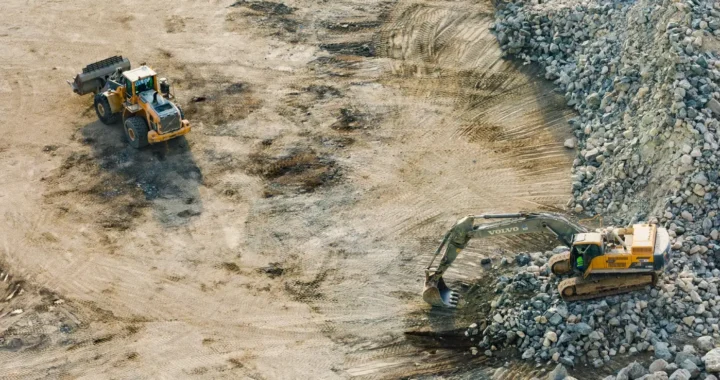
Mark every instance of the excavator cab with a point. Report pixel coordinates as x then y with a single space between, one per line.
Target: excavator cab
586 247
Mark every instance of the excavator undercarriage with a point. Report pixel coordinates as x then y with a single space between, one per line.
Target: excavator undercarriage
605 262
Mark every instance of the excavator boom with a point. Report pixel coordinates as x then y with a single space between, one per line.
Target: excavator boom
437 293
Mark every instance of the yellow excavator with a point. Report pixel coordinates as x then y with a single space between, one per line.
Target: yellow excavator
605 262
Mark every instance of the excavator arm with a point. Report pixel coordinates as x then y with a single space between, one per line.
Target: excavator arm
437 293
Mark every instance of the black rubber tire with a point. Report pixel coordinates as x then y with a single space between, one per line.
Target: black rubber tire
136 130
102 109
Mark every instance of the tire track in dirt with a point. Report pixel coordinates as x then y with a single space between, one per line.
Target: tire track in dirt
352 253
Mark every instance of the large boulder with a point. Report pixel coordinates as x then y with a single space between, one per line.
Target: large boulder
658 365
705 343
712 360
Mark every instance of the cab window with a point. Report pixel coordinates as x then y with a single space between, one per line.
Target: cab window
587 252
128 88
144 84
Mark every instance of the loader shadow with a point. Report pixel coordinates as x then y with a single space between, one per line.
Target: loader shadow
165 173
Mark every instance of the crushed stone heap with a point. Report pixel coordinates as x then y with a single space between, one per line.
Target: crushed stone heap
643 77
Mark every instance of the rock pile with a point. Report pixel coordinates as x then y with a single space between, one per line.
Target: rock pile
644 86
529 314
644 80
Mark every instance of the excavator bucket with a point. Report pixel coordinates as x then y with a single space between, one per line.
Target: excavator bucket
93 76
440 294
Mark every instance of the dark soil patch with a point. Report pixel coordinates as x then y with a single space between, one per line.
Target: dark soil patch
303 170
273 270
121 201
336 142
121 182
230 267
103 339
217 106
362 49
307 290
349 119
267 7
235 88
322 91
352 26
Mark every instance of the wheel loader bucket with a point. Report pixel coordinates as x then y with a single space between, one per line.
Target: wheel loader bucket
93 76
439 294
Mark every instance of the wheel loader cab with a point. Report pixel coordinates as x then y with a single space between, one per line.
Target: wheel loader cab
586 247
139 80
135 97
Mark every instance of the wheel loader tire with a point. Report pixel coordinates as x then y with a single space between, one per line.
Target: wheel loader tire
103 111
136 131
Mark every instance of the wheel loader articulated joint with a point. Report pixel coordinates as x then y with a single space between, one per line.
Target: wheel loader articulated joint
604 262
136 96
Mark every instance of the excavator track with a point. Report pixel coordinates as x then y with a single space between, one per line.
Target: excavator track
576 289
560 264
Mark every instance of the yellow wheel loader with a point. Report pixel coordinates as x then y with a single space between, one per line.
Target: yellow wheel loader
135 96
605 262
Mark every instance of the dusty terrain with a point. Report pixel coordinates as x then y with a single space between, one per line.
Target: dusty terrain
286 236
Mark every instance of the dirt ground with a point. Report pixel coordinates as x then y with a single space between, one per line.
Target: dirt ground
286 236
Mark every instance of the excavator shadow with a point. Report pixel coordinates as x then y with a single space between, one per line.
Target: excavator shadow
166 173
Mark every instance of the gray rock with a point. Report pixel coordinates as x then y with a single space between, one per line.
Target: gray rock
522 259
583 328
623 374
680 374
636 370
559 373
705 343
690 367
555 319
658 365
714 106
662 351
568 362
630 332
682 356
712 360
593 100
655 376
529 353
592 154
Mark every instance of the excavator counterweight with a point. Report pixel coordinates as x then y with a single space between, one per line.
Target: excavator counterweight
606 262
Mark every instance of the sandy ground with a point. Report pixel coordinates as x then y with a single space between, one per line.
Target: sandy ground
286 236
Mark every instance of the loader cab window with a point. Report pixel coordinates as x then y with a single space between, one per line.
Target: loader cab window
144 84
128 88
584 253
